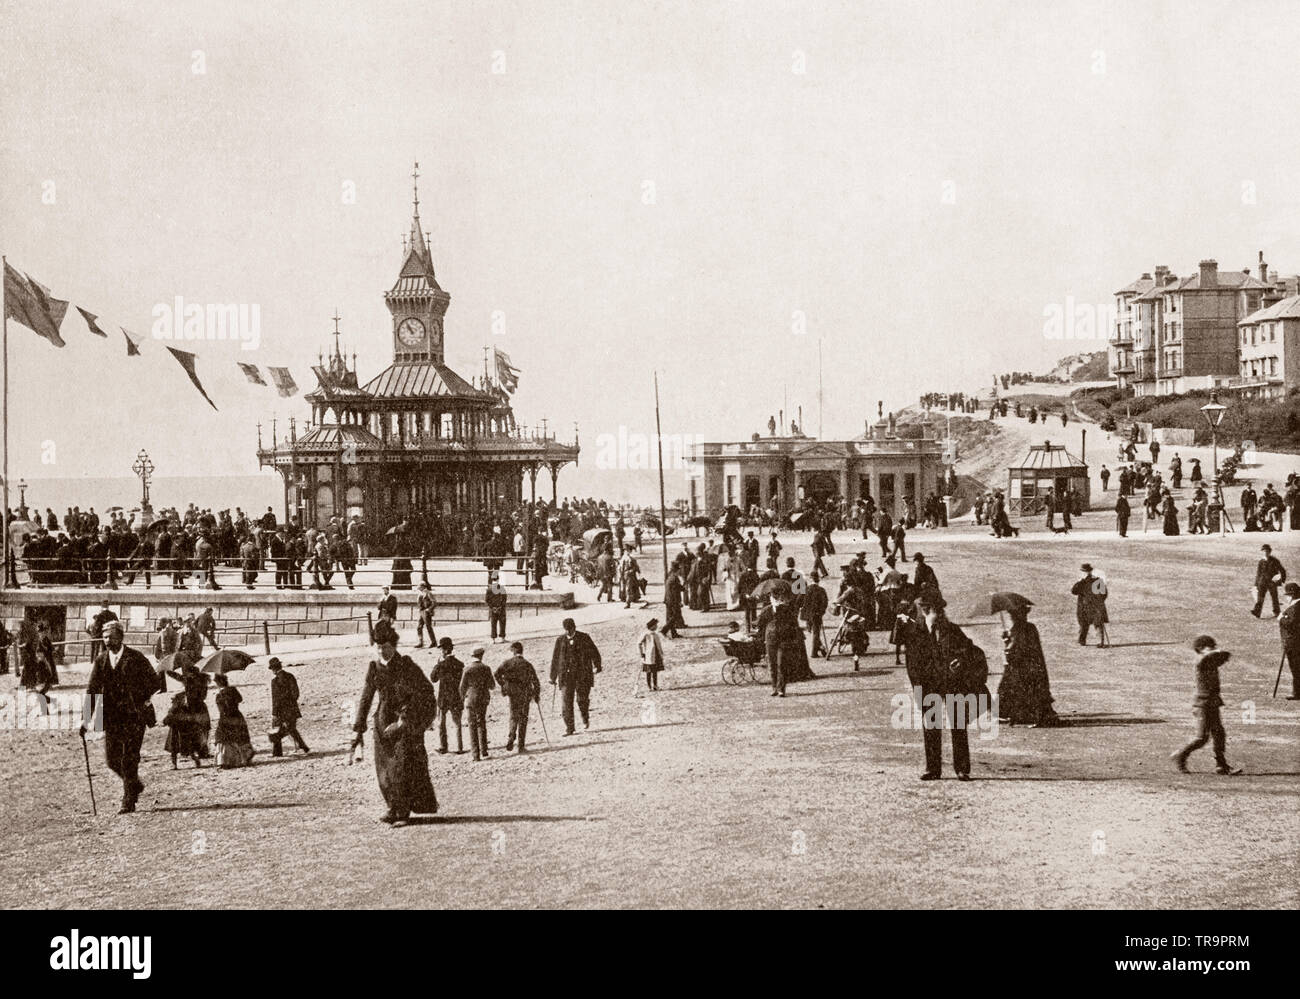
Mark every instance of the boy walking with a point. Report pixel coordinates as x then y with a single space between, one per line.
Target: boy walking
1206 705
426 607
446 677
496 605
476 690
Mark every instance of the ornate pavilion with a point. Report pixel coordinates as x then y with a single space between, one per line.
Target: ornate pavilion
415 439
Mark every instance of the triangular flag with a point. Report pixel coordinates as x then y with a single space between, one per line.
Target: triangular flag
32 306
53 309
186 360
132 344
284 382
251 373
90 322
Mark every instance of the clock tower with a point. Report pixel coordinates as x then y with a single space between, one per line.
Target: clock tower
416 301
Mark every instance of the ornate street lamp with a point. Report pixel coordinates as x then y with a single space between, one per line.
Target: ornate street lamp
22 499
1213 412
143 468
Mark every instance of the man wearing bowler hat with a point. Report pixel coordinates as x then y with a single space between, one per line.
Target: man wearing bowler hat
1269 575
123 682
948 673
574 663
1090 609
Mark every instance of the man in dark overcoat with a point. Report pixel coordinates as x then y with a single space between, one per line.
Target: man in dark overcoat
121 684
948 673
574 665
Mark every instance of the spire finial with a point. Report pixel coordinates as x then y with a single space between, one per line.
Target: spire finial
337 317
415 187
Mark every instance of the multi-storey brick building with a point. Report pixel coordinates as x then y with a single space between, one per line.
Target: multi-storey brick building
1270 349
1173 335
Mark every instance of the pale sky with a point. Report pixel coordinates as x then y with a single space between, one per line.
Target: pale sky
918 180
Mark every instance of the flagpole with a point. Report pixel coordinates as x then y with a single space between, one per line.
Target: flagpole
663 513
819 389
4 350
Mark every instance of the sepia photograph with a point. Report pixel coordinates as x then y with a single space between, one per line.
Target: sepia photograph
647 455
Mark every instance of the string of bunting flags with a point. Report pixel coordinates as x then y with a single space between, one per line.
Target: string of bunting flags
31 304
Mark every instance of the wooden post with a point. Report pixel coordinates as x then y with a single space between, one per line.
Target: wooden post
266 637
370 625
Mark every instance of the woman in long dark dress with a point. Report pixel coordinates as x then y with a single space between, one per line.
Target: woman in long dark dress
406 705
191 731
1025 694
1170 513
234 744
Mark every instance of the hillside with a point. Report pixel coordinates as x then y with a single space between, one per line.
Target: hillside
1080 368
1273 424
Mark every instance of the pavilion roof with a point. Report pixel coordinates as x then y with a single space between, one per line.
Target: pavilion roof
422 381
1049 457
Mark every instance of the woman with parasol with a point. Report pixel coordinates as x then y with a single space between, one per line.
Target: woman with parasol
406 705
1025 694
188 721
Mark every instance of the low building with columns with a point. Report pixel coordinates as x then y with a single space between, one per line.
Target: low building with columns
416 438
889 462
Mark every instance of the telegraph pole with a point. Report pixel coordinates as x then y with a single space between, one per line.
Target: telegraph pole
663 512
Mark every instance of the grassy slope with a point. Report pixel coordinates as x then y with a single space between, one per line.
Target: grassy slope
1273 425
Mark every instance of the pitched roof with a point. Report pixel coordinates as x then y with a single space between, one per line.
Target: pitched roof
332 435
424 380
335 386
1288 308
1048 457
1225 279
1142 284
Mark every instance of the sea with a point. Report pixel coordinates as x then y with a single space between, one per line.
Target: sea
254 493
251 493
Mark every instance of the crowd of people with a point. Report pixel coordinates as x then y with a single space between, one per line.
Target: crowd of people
785 615
190 546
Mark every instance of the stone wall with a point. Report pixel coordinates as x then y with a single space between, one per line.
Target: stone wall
240 615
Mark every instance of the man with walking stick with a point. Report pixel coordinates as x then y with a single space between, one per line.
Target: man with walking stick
1289 625
574 663
124 682
519 682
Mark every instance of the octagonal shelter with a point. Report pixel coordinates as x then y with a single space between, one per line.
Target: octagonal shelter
417 438
1046 466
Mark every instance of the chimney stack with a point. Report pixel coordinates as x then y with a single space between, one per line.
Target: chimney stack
893 427
1263 268
1209 273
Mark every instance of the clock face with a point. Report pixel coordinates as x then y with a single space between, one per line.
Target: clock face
410 332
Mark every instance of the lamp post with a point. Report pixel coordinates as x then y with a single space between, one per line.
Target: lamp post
1213 411
22 499
143 467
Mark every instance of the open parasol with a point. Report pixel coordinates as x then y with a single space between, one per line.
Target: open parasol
780 588
225 661
1007 601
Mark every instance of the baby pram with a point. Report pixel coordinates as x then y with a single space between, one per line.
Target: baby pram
745 661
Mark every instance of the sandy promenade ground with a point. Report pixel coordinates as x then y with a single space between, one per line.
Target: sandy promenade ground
711 795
